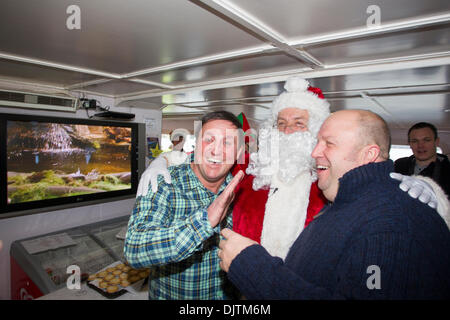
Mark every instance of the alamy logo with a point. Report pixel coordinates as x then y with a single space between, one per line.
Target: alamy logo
374 20
74 20
74 280
374 281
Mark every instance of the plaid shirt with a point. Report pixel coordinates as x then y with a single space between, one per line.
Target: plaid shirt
169 232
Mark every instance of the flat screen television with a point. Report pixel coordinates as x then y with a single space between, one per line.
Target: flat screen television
48 163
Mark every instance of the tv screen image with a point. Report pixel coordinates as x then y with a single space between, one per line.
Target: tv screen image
52 161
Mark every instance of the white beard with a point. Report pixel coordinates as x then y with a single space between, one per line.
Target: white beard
285 214
284 164
282 155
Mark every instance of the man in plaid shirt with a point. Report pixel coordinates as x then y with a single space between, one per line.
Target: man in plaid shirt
175 230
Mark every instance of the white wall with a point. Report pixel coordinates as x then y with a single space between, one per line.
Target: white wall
17 228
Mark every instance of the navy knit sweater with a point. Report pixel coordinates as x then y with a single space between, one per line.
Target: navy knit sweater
373 242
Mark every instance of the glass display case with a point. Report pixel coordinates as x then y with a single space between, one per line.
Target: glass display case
39 264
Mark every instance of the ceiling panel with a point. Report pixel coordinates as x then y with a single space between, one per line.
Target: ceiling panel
306 18
256 94
415 108
275 62
387 79
352 84
401 112
407 43
41 75
116 36
118 87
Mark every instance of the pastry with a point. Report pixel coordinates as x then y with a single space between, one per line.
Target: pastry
123 276
133 272
120 266
109 277
112 289
133 279
102 274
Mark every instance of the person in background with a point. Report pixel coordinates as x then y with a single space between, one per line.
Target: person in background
175 231
425 161
372 241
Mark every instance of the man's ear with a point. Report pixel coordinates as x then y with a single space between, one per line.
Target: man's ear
371 153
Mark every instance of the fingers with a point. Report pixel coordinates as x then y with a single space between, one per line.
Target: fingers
235 181
154 183
226 233
224 199
396 176
415 191
404 186
231 198
167 177
227 196
222 266
433 204
139 190
218 210
231 246
425 197
221 255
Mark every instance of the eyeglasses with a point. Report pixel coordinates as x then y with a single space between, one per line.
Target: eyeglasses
296 126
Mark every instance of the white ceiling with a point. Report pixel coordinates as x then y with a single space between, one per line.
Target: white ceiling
188 56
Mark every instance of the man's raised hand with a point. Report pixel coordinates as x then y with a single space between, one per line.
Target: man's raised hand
218 209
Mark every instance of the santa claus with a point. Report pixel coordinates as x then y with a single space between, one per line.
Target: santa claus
279 197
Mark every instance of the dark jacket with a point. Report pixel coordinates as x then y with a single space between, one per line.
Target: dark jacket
373 242
439 170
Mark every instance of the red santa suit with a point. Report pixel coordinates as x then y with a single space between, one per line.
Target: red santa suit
249 206
275 217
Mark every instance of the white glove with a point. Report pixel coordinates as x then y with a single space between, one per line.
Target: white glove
157 167
417 189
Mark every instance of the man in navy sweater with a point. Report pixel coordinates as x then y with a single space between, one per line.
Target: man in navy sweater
372 241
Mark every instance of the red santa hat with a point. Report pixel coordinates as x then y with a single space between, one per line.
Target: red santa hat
299 94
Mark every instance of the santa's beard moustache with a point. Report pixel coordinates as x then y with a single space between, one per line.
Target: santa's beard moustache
286 155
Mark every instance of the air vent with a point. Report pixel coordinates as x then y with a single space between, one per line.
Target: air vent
37 101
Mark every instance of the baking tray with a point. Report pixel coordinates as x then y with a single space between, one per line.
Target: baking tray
132 287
